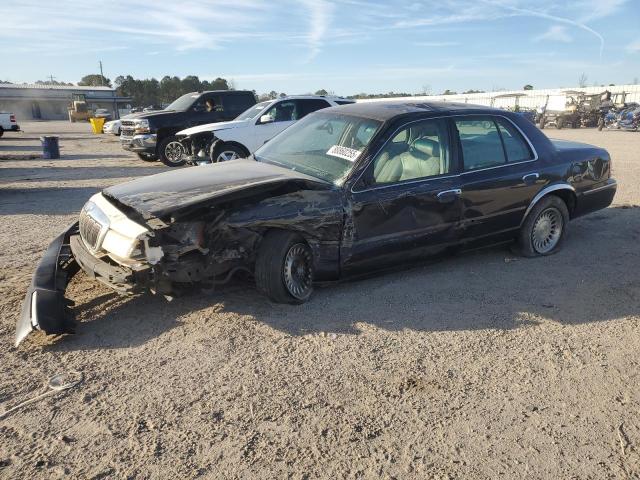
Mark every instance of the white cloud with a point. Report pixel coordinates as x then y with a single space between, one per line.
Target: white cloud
320 12
634 47
555 33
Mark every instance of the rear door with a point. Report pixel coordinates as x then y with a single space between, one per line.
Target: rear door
236 103
499 174
410 201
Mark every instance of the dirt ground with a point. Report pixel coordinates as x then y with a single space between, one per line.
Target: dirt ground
482 365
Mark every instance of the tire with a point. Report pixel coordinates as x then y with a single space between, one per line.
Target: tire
560 123
284 268
600 124
168 152
148 157
225 153
1 131
119 132
541 126
547 222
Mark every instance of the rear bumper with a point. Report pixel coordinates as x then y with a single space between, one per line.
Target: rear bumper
15 128
597 198
45 306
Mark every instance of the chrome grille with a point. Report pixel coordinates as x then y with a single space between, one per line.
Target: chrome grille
90 230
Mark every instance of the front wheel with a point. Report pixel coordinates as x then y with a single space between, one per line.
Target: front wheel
171 152
544 229
147 157
559 123
225 153
284 267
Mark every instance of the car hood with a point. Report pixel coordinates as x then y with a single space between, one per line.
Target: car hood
161 195
212 127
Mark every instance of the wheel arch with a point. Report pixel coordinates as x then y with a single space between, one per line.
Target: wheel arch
234 144
562 190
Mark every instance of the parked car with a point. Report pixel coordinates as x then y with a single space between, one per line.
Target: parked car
8 123
152 134
344 190
113 127
102 113
219 142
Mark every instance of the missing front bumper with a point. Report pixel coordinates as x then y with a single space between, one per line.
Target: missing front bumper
45 306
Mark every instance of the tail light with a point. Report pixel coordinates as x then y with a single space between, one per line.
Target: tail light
12 118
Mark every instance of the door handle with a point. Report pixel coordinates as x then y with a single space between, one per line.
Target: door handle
448 196
531 178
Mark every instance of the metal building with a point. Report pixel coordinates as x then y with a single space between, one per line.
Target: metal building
50 102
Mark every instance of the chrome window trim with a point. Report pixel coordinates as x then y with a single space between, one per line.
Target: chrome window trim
428 179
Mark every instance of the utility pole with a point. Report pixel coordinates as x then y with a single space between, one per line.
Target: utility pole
101 75
51 77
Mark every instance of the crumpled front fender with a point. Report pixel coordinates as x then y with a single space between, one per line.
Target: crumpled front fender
45 306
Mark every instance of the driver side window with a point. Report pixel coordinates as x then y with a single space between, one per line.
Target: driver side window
421 150
283 112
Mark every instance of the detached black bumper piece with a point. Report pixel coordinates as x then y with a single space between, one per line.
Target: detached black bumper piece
45 306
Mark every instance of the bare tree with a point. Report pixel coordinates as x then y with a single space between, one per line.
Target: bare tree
582 80
426 90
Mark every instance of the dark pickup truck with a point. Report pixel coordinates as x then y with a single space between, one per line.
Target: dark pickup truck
152 135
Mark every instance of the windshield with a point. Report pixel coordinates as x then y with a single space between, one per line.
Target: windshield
183 103
252 112
323 145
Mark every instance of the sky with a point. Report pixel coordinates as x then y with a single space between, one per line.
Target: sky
342 46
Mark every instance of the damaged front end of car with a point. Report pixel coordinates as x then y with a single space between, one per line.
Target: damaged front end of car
144 237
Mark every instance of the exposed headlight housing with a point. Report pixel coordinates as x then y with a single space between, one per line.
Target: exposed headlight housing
141 126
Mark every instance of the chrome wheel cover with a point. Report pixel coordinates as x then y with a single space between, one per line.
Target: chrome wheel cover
227 156
173 152
547 230
298 271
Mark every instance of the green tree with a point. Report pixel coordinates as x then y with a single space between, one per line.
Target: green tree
94 80
528 87
322 91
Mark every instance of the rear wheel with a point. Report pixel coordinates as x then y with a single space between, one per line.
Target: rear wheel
1 131
560 123
284 267
541 124
544 229
148 157
171 152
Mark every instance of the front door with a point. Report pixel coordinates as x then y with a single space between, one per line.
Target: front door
500 175
280 116
409 203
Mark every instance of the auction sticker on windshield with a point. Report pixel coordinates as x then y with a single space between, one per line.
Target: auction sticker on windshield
344 152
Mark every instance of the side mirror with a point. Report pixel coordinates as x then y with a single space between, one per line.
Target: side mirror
266 119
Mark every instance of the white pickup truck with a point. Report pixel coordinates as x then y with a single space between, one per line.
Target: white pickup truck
8 123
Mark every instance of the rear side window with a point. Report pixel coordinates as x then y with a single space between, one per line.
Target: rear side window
481 143
235 104
517 149
305 107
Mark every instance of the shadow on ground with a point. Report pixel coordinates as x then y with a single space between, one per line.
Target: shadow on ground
590 280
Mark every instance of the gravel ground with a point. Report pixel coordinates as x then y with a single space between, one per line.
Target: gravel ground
482 365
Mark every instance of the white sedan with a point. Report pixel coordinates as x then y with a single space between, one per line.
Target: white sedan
219 142
112 127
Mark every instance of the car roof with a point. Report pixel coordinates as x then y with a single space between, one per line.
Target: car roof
312 97
386 110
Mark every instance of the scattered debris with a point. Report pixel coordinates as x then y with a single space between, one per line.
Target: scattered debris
58 383
624 440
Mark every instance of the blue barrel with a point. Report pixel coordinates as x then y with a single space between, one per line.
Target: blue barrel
50 148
